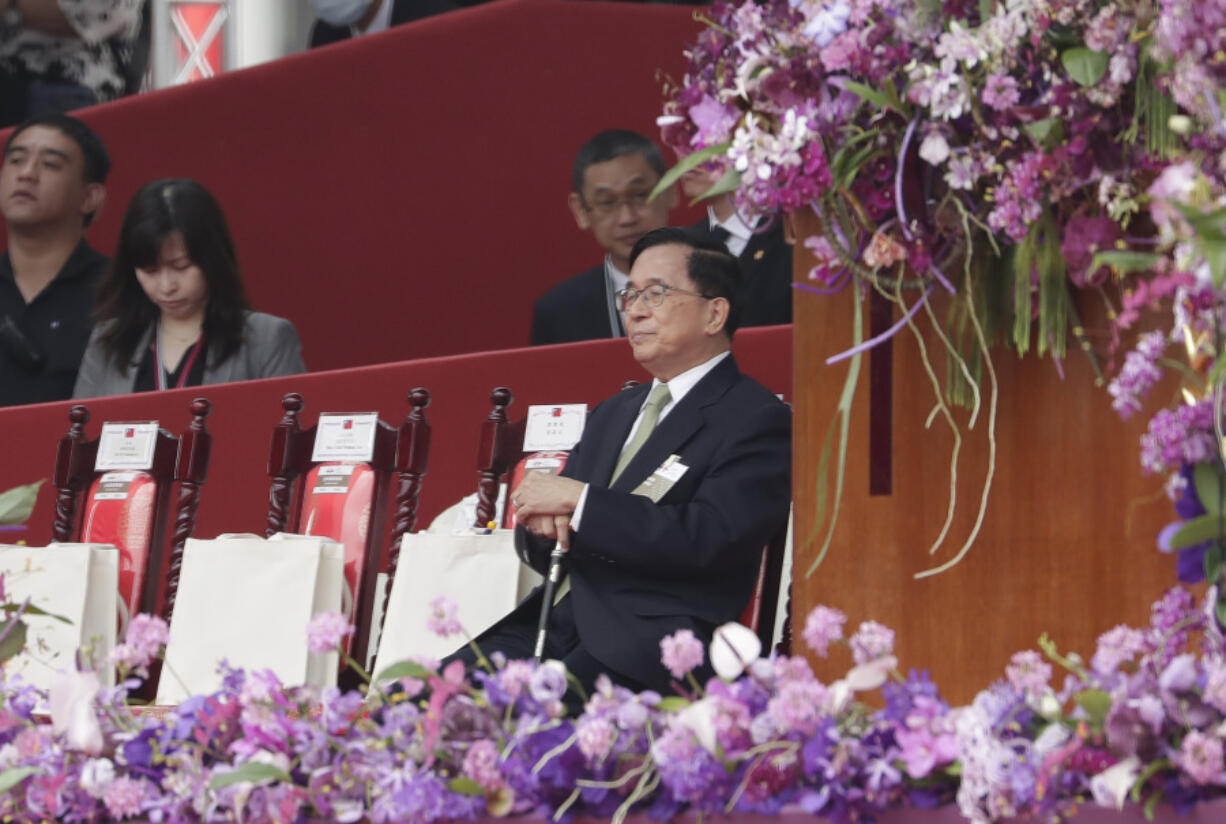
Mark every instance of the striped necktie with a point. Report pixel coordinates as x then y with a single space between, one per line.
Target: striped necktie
659 398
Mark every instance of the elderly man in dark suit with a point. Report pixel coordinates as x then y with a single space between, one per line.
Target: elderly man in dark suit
674 489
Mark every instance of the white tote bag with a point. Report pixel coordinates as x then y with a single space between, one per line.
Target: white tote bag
248 600
79 582
481 573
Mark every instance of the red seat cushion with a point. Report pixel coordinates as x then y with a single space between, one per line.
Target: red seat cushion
119 511
336 504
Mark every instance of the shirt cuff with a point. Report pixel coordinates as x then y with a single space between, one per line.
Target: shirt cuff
578 513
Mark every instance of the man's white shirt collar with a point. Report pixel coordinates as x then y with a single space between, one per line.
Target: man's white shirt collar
680 385
739 232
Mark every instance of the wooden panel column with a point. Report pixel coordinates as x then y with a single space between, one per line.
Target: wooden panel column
1068 542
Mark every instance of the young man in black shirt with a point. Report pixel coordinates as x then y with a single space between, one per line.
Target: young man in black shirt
52 183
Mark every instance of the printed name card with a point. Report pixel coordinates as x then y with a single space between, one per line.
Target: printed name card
334 480
554 428
345 437
114 486
126 446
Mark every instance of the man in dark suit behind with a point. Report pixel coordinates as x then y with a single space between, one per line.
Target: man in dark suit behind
674 489
341 20
766 258
613 176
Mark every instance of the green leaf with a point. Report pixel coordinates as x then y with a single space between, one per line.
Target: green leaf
1084 65
673 703
465 786
1125 261
851 166
15 641
1151 804
1196 531
30 609
1220 608
1207 481
1042 130
730 182
1096 703
1215 254
252 771
1213 562
17 503
686 163
404 669
10 778
1206 224
879 99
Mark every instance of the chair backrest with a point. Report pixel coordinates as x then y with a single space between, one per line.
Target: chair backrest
762 611
132 509
349 502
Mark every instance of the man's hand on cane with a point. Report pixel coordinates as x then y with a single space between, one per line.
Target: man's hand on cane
544 504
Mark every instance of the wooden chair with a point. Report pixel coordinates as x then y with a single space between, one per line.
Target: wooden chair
151 579
402 452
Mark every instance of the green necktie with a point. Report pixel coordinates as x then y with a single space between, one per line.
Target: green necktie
659 398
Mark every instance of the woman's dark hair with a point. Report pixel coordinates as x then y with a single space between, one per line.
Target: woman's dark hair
157 211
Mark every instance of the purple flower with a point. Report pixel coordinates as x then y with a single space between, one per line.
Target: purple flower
1200 756
125 797
146 636
823 627
548 682
1115 647
443 621
595 737
871 641
1138 374
1000 92
326 631
481 765
681 652
1085 237
1028 673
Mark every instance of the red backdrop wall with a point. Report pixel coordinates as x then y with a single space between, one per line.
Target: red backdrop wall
404 195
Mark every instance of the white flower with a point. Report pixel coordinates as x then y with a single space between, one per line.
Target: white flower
699 718
1110 787
733 648
96 776
73 715
934 149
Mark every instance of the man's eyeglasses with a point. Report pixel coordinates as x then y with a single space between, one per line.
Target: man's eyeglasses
653 295
609 206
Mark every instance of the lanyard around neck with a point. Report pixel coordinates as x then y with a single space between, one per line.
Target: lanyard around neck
161 377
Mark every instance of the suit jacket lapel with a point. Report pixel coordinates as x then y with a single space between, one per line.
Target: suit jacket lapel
678 426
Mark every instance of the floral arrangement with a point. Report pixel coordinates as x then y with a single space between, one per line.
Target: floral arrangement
1006 154
1143 720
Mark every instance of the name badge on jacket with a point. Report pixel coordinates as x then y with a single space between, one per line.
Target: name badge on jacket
659 482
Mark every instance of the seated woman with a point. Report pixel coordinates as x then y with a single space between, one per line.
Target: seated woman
171 310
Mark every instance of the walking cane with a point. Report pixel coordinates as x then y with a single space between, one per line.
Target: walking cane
551 585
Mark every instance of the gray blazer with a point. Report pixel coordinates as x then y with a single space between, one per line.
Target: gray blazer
270 348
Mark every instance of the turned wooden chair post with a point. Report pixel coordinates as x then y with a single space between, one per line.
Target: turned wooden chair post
493 456
191 469
283 465
412 459
73 465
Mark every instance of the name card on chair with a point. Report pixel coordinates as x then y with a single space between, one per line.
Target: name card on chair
554 428
345 437
127 445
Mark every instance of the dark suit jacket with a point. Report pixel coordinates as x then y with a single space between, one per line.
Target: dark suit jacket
641 570
575 309
766 286
402 12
